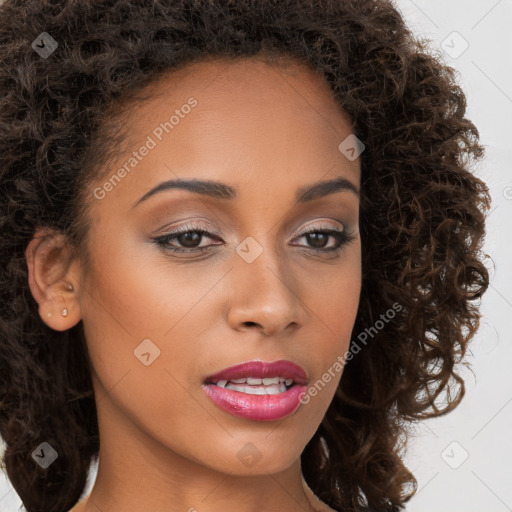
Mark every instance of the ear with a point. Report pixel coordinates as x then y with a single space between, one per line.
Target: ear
53 278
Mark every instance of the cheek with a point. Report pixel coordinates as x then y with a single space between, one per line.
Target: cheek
134 293
333 304
332 299
141 345
135 314
141 295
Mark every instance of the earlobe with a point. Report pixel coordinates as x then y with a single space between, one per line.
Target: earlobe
48 256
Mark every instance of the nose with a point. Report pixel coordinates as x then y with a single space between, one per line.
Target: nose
264 296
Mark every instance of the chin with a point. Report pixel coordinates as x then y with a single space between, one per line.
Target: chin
258 454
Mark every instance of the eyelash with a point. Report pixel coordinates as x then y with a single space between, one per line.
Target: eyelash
342 237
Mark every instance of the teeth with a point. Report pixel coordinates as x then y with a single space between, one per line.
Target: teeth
273 389
254 381
253 385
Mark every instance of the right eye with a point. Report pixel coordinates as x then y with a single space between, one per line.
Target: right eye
188 237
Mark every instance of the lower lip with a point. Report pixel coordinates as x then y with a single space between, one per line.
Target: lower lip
256 407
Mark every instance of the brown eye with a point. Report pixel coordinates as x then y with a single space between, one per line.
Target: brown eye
185 239
188 241
318 239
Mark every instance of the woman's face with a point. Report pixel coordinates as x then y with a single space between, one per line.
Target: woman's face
256 287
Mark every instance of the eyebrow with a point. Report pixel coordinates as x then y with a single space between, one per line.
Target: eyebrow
220 190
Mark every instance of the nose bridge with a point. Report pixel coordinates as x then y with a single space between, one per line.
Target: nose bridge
264 291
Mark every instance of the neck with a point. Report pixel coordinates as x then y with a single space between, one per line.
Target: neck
136 473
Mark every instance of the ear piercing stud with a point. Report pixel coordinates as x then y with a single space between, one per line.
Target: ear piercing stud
65 310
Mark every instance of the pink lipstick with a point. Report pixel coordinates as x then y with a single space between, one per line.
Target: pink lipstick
258 390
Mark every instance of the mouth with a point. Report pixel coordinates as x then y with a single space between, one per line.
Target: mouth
258 390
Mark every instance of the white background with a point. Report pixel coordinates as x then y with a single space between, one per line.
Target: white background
482 424
463 461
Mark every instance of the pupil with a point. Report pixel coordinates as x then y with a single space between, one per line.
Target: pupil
316 238
189 237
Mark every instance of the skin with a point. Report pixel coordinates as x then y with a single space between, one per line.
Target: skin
165 446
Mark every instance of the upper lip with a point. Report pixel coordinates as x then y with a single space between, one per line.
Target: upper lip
261 370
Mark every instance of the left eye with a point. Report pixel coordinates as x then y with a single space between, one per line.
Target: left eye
320 237
190 239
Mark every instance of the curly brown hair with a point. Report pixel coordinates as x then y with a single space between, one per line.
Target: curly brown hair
422 217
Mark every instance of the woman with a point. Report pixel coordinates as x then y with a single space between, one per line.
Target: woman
240 251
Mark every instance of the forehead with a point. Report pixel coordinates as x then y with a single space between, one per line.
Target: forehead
228 88
253 124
